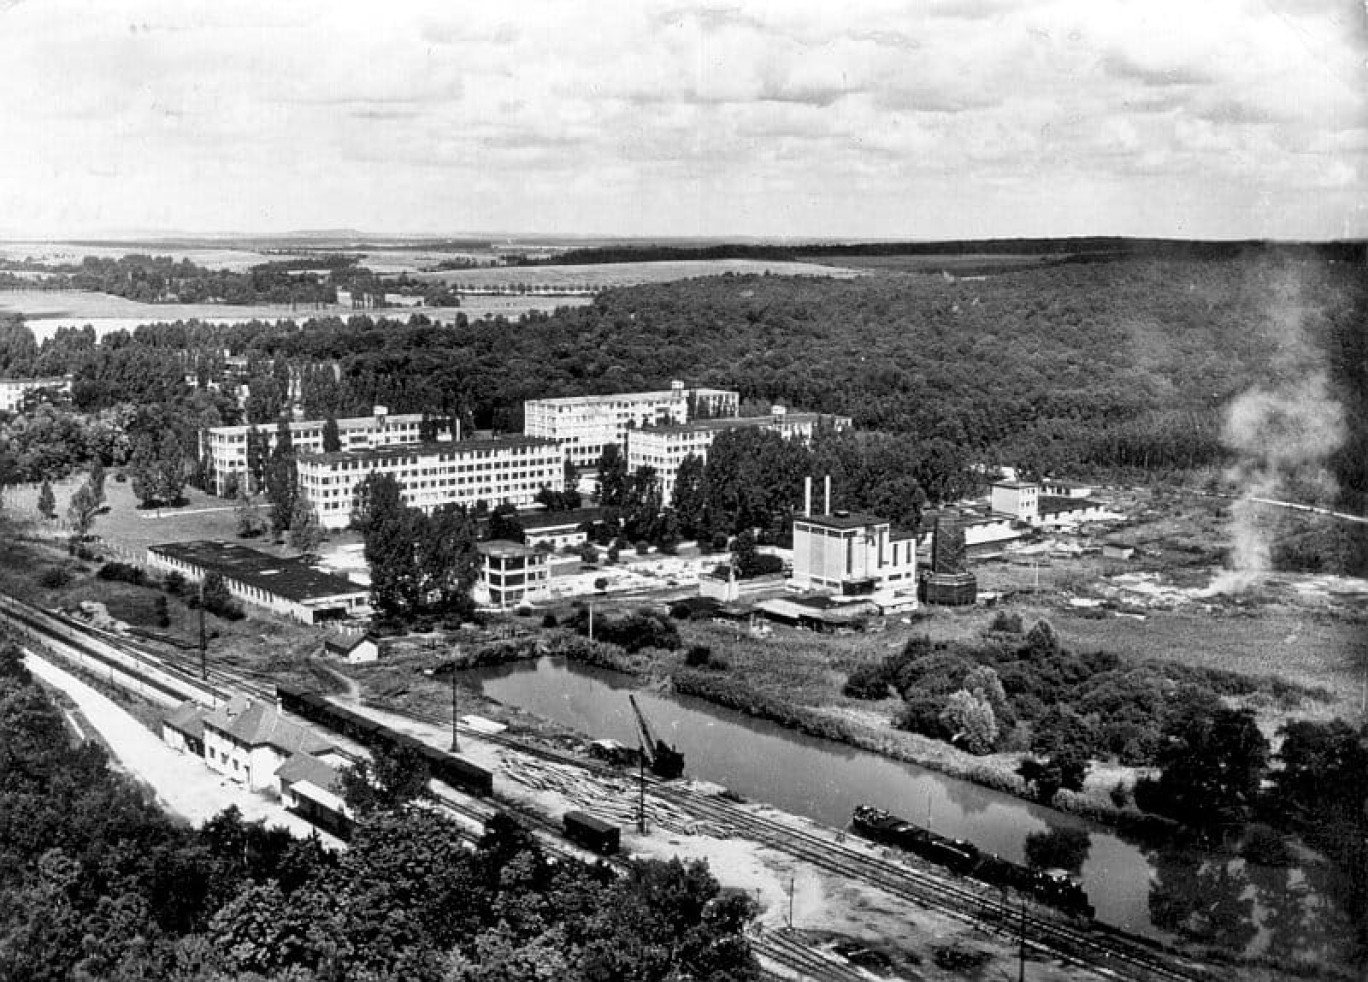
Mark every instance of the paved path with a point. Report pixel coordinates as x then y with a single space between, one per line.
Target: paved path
184 785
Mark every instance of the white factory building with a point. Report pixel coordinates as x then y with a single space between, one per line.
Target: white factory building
665 447
499 470
226 446
584 425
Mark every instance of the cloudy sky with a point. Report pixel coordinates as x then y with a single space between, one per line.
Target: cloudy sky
797 119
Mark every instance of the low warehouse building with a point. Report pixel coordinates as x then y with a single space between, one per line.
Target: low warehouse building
284 585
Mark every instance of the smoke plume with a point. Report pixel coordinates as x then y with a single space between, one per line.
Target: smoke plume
1282 432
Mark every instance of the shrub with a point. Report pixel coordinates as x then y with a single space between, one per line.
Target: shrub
698 656
601 583
867 682
162 614
921 713
54 577
122 573
174 583
548 620
971 720
643 547
1005 623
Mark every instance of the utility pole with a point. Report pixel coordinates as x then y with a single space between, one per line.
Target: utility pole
203 638
641 788
1021 961
455 740
591 622
790 910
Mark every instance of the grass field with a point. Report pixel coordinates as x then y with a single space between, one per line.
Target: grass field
600 276
47 310
961 265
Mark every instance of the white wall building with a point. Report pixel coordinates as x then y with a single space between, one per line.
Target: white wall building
226 446
248 741
584 425
286 585
1020 499
852 555
510 574
500 470
14 390
665 447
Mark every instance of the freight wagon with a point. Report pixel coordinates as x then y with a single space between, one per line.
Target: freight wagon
592 833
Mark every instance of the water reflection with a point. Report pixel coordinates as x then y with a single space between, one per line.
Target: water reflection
1160 894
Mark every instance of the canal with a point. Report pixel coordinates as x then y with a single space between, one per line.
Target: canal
1149 891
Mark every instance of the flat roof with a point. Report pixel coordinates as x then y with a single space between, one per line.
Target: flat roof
1015 484
557 519
651 396
285 577
852 520
346 423
1053 504
738 422
504 549
431 449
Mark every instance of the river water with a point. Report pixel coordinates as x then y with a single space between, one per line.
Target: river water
1150 891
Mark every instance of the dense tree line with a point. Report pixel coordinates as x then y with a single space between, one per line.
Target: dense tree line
1088 369
95 882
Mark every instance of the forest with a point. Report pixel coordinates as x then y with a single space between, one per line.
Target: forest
1106 370
97 883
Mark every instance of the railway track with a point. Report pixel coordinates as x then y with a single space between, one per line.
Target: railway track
1107 951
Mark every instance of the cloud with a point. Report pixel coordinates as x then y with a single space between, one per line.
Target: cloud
1174 118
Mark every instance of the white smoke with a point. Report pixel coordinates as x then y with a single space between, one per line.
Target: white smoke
1282 432
1282 438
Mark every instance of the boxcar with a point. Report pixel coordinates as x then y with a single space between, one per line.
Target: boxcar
460 773
592 833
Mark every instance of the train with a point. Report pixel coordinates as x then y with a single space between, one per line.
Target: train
592 833
443 766
1053 888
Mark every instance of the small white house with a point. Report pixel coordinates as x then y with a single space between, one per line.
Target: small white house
357 650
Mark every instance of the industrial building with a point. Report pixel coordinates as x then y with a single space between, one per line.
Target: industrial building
497 471
225 447
285 585
1026 501
584 425
510 574
665 447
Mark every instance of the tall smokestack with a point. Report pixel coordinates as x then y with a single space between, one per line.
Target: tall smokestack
807 496
827 482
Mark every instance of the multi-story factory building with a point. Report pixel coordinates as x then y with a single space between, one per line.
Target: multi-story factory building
225 447
500 470
665 447
584 425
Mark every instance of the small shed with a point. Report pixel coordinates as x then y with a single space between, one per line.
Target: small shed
1116 549
353 650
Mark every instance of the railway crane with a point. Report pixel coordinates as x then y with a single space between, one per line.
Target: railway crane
664 760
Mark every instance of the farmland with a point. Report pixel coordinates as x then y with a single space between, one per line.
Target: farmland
45 311
598 277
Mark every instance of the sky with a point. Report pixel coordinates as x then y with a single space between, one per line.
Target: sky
788 120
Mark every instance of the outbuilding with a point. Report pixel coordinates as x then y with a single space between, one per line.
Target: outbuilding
357 650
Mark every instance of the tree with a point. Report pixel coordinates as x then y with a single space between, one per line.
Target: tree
170 469
81 512
690 500
1058 848
47 502
1212 766
144 472
332 436
972 721
612 477
96 479
247 514
392 778
391 548
448 559
305 531
257 454
217 599
504 524
1065 769
641 504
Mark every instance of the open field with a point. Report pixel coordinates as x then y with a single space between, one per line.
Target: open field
233 259
602 276
956 263
45 311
